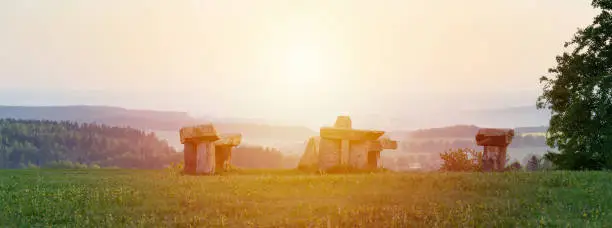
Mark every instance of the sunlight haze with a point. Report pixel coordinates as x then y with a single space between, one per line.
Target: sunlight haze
300 62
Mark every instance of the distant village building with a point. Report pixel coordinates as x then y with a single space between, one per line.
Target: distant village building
205 150
343 146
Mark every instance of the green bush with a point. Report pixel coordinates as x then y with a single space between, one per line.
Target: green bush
461 160
514 166
28 166
65 165
537 163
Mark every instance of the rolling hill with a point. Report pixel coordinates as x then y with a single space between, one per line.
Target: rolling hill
167 123
287 139
164 123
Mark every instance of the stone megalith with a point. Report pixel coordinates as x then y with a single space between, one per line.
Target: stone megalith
343 146
376 148
223 150
199 148
495 142
310 157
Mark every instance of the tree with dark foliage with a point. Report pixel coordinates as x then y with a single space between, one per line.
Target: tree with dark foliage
579 94
461 160
48 143
533 163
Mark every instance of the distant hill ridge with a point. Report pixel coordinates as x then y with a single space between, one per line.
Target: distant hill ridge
143 119
172 121
146 120
464 131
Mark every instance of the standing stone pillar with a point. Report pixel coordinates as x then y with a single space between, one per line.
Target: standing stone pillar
359 153
345 148
375 148
310 157
199 149
329 153
190 157
205 158
495 142
344 122
223 150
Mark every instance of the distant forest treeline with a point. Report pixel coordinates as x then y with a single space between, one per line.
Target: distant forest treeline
40 143
258 157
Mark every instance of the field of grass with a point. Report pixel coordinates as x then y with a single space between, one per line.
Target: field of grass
120 198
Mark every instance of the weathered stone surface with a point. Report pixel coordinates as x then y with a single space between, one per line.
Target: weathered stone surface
205 158
359 154
223 155
494 137
345 151
494 158
205 150
229 140
343 122
495 142
343 146
388 144
373 157
310 157
223 150
329 153
204 132
349 134
375 146
190 158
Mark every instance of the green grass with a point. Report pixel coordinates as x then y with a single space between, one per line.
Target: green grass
264 198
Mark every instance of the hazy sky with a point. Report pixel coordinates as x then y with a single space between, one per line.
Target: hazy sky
292 61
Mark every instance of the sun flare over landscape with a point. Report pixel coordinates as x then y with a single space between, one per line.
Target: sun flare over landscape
305 113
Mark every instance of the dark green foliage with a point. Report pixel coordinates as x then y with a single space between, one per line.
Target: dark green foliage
536 163
461 160
70 145
514 166
533 163
257 157
579 94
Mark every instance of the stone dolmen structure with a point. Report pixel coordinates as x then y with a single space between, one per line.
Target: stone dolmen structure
223 150
495 142
343 146
202 145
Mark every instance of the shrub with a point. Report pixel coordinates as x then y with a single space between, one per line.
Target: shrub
65 165
77 165
28 166
461 160
60 165
175 168
537 163
514 166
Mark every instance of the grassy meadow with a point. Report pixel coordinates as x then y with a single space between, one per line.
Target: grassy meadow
285 198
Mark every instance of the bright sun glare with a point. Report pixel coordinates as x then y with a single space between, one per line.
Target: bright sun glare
304 66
